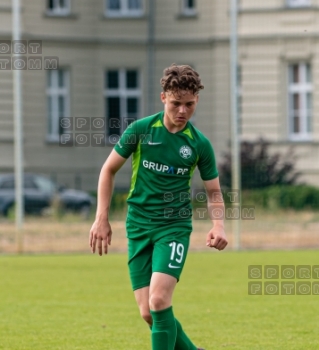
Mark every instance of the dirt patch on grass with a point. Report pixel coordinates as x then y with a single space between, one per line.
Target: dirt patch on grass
280 230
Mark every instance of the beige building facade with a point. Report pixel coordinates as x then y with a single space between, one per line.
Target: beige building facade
110 55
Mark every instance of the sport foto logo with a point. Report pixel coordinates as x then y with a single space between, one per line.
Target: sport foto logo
25 55
283 280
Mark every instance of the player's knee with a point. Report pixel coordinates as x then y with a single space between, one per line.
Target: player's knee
147 317
157 302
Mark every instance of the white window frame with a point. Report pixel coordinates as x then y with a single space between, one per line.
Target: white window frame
54 91
123 93
57 10
301 88
188 11
124 10
298 3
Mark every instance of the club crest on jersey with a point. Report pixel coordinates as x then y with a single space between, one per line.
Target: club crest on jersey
185 152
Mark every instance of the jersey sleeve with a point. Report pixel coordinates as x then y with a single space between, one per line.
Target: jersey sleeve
127 144
207 163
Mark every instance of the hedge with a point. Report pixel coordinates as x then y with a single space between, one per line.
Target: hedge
298 197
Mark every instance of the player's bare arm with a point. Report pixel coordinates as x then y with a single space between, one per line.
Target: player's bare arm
101 232
216 237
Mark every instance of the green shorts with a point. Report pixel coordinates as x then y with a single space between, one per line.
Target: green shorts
151 250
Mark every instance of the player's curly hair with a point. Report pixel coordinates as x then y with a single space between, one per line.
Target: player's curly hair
183 77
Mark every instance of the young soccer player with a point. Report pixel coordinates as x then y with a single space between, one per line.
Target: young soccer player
165 150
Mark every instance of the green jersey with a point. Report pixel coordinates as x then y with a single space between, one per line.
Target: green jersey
163 164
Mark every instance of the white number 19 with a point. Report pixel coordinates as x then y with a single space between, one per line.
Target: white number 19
179 250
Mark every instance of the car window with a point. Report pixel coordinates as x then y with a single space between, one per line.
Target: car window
44 184
29 184
7 184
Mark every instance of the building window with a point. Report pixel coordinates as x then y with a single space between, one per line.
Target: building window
124 8
122 99
189 7
58 7
58 103
300 101
298 3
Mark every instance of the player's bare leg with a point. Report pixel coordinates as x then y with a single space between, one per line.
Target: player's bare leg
160 302
142 297
161 291
157 297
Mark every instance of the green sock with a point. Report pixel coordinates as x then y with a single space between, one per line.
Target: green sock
182 340
163 329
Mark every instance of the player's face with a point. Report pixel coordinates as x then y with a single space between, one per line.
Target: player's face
178 108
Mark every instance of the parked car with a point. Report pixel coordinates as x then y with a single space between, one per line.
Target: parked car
39 193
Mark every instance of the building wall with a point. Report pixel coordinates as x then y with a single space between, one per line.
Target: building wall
86 22
270 37
87 66
171 25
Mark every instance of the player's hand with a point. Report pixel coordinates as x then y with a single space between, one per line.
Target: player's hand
216 238
100 235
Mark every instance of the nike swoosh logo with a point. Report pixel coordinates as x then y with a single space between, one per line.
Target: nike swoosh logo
173 267
154 143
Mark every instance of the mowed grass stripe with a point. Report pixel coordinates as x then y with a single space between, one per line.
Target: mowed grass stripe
85 302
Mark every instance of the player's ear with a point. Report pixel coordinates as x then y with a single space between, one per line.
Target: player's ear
163 97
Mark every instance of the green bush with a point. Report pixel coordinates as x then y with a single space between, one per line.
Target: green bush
260 168
298 197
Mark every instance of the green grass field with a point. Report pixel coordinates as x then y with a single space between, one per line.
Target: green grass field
85 302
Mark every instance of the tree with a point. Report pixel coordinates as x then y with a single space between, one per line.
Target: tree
259 168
